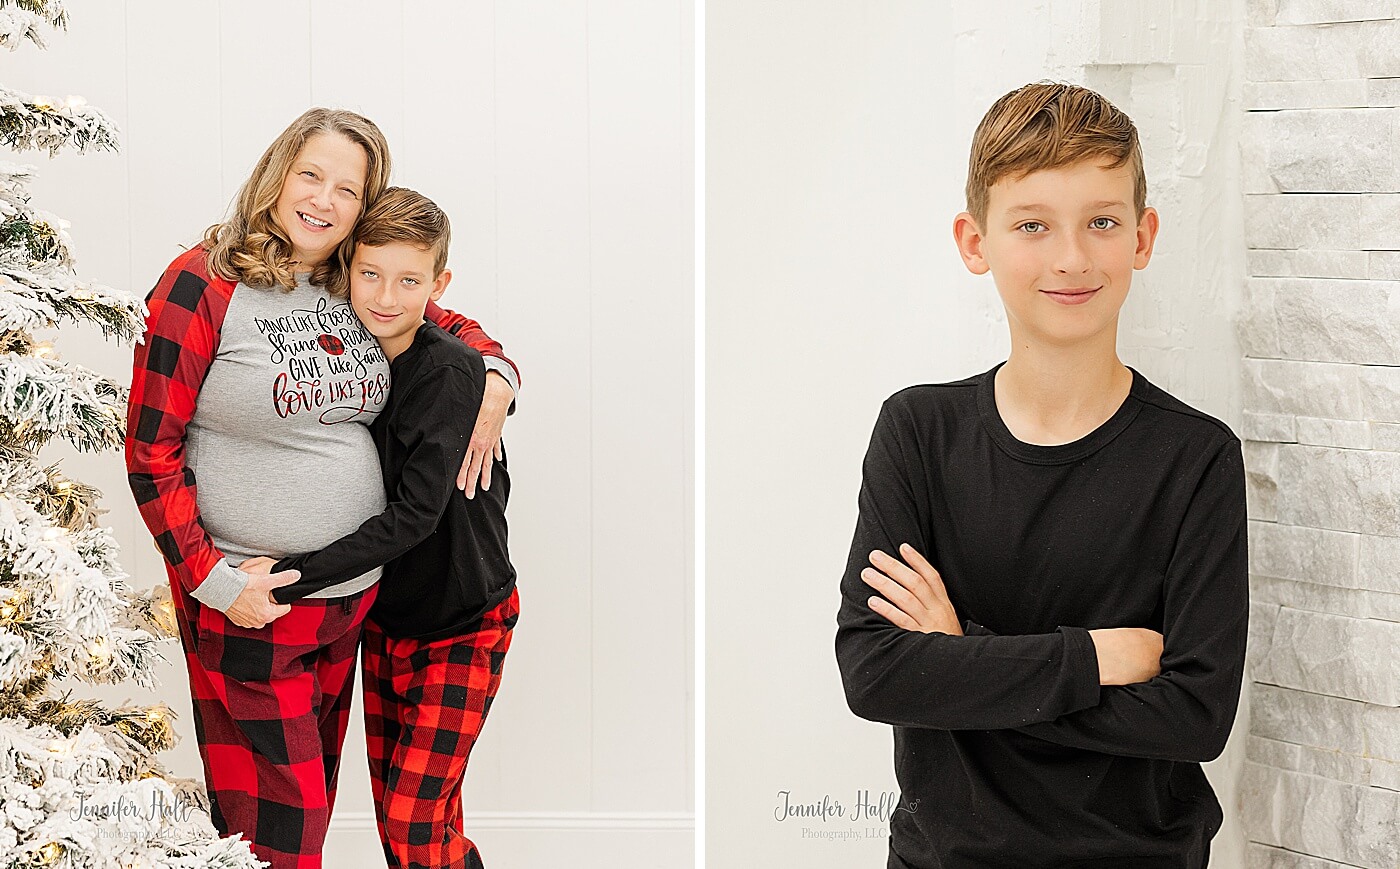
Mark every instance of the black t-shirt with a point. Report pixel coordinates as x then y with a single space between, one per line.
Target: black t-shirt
445 557
1007 751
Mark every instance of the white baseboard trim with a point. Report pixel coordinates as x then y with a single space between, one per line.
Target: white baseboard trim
351 822
541 840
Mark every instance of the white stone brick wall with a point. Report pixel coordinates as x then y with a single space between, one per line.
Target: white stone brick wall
1321 334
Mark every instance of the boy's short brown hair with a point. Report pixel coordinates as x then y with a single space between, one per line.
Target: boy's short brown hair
1048 126
408 217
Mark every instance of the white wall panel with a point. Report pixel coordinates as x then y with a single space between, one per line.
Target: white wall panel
358 51
543 244
638 383
449 145
264 80
555 134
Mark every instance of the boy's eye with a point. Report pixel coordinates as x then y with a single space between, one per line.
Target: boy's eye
1031 227
412 282
1102 223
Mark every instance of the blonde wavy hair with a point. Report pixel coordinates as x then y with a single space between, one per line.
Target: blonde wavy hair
250 246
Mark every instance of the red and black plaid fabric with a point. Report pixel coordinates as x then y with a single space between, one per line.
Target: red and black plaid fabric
425 704
187 309
271 706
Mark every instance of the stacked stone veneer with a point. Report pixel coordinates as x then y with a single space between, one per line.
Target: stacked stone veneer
1322 427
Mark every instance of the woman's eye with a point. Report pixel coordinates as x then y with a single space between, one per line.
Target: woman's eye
308 173
368 274
1031 227
348 192
1103 223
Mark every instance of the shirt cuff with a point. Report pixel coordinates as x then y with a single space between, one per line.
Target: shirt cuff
1082 664
221 587
972 629
504 368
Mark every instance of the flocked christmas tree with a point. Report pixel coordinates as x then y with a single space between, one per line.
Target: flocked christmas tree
80 783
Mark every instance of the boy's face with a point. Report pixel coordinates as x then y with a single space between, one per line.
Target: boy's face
1062 245
390 287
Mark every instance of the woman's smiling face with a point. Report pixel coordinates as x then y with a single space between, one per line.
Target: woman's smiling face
322 196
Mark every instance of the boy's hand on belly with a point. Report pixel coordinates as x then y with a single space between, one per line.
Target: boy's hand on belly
914 596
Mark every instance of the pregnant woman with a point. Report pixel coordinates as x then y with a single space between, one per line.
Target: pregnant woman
248 430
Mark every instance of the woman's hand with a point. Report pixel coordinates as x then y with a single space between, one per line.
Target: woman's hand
486 435
254 607
917 600
259 565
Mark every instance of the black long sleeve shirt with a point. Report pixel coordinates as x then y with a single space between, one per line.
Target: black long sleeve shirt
1007 751
445 557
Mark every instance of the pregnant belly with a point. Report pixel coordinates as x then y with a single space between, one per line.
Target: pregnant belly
289 506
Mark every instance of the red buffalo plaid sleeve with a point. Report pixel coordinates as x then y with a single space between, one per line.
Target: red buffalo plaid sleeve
475 337
187 310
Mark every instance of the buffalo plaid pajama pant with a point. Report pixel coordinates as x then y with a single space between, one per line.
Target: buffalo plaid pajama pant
271 706
425 704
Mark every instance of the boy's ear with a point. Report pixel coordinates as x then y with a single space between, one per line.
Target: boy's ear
1147 228
968 237
440 285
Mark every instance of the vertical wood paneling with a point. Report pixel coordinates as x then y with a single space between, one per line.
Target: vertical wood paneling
356 51
641 299
174 137
448 149
265 80
543 250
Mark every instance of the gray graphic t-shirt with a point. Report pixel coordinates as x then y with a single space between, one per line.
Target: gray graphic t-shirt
279 442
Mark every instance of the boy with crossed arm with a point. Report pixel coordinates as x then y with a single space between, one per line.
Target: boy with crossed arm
1047 592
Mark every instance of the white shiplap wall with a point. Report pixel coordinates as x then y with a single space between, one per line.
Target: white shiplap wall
558 135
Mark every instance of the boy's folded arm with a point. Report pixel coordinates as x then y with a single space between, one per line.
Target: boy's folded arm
428 423
1186 712
935 680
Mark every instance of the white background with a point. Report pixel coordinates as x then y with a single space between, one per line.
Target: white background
837 141
558 136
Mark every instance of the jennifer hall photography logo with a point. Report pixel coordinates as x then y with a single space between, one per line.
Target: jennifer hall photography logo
162 807
828 818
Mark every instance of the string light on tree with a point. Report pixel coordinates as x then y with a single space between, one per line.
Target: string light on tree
50 854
